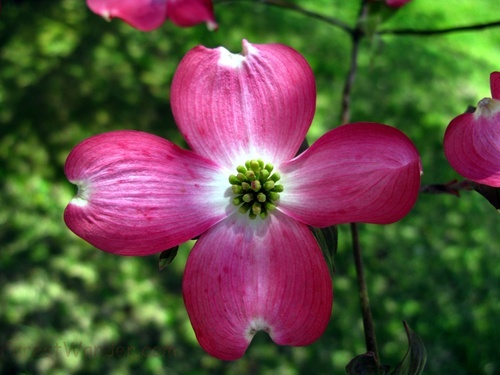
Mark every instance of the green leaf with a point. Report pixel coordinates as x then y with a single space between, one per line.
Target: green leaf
167 256
365 364
414 360
328 241
492 194
378 13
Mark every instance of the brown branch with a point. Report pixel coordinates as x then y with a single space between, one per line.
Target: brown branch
295 8
440 31
369 328
347 28
453 187
345 112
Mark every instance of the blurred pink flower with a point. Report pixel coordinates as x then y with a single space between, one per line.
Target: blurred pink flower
242 192
472 140
396 3
147 15
393 3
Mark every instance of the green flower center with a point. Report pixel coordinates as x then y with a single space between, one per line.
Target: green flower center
255 188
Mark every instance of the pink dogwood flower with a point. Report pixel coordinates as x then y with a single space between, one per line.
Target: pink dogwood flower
147 15
242 192
472 140
396 3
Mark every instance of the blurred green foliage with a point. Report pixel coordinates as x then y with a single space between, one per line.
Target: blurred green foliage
65 307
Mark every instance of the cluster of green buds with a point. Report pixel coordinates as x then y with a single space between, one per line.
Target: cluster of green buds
255 188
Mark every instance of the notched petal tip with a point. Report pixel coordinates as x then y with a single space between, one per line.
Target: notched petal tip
236 60
487 107
229 59
82 196
256 325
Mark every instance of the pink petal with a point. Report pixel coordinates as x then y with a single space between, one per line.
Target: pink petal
362 172
191 12
139 194
243 276
396 3
233 108
495 85
145 15
472 143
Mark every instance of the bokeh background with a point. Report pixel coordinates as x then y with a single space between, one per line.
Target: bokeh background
66 307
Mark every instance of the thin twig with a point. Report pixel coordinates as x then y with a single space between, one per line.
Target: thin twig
369 328
295 8
356 36
345 112
480 26
452 187
347 28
